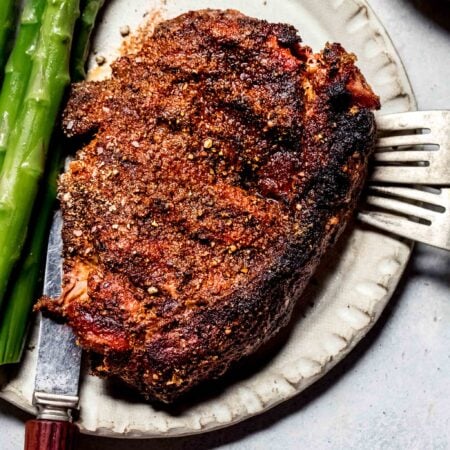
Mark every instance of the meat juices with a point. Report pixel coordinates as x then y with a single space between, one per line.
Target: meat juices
222 160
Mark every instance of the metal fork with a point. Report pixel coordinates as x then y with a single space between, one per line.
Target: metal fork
413 149
421 214
408 154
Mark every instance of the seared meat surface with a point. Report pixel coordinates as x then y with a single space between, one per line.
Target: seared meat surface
223 159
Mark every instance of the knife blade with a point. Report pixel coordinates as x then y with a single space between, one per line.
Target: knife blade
59 358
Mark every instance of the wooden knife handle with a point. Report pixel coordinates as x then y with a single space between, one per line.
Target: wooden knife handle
50 435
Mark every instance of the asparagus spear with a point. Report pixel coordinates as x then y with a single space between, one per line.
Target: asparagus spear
22 291
18 70
21 295
7 10
83 32
14 321
24 162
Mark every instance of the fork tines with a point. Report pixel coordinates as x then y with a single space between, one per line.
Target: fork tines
413 147
421 214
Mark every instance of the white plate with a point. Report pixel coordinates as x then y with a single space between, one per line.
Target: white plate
349 291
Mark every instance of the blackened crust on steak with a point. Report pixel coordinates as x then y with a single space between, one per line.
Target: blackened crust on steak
224 159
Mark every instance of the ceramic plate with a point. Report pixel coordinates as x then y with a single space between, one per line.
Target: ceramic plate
346 296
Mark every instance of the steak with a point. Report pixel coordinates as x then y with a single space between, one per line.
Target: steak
219 162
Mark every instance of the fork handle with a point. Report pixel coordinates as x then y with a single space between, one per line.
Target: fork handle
50 435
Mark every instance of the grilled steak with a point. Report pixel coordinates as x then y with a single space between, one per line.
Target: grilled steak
223 158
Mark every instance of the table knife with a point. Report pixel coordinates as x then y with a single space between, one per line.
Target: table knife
58 366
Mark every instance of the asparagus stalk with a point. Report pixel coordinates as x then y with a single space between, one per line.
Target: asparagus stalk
22 291
21 295
24 162
83 31
18 70
7 10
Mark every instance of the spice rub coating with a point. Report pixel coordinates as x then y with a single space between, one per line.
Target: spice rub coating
223 158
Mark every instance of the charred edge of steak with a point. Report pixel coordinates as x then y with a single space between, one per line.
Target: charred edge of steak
227 158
